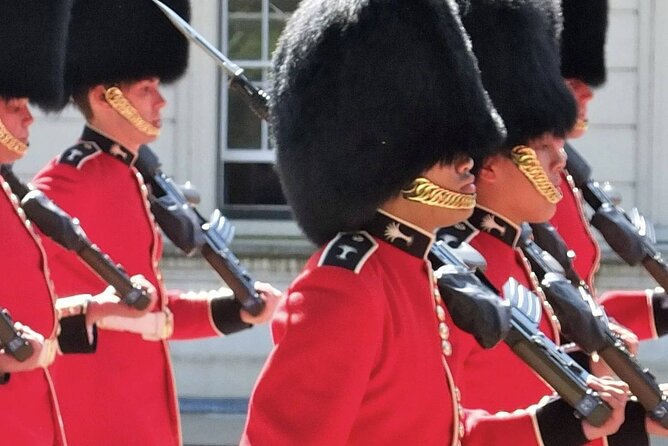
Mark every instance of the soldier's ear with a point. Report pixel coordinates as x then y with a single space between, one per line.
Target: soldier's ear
96 97
489 169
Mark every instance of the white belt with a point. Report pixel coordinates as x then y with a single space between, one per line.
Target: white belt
151 326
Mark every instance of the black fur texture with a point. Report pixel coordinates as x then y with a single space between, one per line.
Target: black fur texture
583 40
113 41
33 35
367 95
516 43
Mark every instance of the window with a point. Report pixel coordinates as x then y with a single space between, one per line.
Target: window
248 185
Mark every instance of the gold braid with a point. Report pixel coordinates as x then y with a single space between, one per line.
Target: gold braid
424 191
527 162
10 141
119 102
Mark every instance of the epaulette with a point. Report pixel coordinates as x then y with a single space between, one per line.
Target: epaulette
457 234
77 155
349 250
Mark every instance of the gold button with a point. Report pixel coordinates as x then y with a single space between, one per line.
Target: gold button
443 331
440 313
447 348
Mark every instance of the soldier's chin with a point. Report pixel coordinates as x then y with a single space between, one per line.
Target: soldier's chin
8 156
449 217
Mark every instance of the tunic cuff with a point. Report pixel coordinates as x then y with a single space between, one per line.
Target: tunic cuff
632 431
558 424
75 337
660 310
226 316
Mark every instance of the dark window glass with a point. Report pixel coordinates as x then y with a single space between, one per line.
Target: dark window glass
252 190
244 128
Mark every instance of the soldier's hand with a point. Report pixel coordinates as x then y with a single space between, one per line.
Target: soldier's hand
270 296
9 364
615 393
629 338
108 303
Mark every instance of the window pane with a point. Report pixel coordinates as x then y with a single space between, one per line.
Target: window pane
244 128
245 5
283 5
252 183
245 39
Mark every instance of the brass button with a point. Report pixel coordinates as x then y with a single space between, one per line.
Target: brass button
443 331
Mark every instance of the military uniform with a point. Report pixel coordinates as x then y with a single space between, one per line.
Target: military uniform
533 101
640 311
364 316
131 371
31 416
33 36
496 379
583 59
490 377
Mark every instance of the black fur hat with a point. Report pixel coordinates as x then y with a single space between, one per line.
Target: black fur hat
517 46
114 41
583 40
368 94
33 34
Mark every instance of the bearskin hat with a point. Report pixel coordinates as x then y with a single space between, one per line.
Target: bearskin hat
517 46
367 95
112 41
583 40
33 35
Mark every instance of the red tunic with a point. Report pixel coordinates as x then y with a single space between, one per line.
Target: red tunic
30 416
573 226
124 393
632 309
358 359
496 379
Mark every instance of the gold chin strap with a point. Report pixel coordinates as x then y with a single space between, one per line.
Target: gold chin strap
424 191
581 125
11 142
119 102
527 162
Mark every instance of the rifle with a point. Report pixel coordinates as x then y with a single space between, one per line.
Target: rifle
190 231
11 340
629 236
67 232
590 329
524 337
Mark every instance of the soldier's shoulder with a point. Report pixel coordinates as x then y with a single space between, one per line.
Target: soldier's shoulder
79 154
349 250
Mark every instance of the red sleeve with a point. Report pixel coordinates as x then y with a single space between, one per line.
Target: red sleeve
632 309
327 335
193 317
